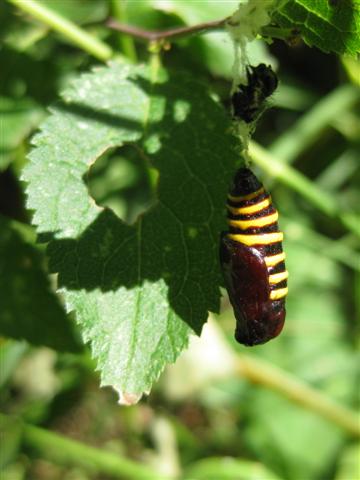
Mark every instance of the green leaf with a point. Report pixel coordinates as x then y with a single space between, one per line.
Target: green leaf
313 347
29 310
11 353
267 437
138 290
349 463
332 26
10 436
18 118
228 468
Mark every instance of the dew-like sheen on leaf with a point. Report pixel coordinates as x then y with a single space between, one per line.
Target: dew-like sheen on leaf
138 290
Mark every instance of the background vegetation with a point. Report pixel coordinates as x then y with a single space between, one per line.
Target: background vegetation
282 410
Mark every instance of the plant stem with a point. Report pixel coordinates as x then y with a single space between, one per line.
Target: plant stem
260 372
66 451
70 30
352 68
308 128
297 181
126 43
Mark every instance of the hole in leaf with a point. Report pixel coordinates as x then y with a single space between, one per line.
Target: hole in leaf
122 180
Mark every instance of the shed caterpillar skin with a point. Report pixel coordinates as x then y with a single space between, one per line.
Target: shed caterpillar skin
249 101
252 260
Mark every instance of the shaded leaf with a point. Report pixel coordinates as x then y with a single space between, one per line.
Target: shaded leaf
18 118
11 353
10 437
29 310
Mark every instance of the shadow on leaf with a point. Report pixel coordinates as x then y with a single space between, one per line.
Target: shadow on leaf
177 239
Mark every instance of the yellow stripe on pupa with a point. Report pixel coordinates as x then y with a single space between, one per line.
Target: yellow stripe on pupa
278 277
251 209
249 196
279 293
273 260
263 239
255 222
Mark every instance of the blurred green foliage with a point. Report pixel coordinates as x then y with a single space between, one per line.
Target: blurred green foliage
192 422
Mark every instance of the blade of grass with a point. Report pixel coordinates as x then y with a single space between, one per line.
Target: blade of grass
295 180
339 171
335 249
65 451
270 376
292 97
307 129
67 28
348 124
126 43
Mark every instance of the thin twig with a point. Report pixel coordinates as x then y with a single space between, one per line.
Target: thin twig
289 35
173 33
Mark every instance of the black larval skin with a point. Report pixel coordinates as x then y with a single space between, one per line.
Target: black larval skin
245 182
258 318
249 100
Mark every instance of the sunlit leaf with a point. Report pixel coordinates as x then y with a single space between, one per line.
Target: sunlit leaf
138 290
332 26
